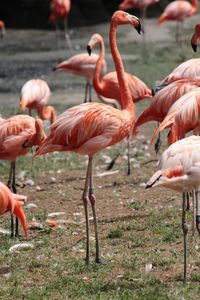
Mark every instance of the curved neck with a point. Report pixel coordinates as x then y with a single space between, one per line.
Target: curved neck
98 70
126 100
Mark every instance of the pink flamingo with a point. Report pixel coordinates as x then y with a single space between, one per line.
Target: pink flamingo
35 94
90 127
17 134
179 170
108 87
2 28
162 102
140 4
11 202
84 66
60 9
178 11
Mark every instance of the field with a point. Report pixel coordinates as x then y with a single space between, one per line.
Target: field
140 230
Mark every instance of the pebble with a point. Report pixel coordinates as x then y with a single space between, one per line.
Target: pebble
38 188
21 246
30 205
148 268
33 225
53 180
29 182
4 231
142 184
56 214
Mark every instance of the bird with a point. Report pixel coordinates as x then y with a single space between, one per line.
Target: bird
35 94
60 9
108 88
182 117
179 169
82 65
195 37
11 202
140 4
178 11
163 100
17 135
90 127
2 28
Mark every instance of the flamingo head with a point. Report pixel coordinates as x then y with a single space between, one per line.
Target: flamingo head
121 18
195 37
95 39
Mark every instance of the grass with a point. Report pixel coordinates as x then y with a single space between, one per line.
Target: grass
136 227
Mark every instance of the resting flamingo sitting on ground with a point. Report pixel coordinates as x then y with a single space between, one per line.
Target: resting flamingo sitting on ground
2 29
35 94
11 202
178 11
82 65
17 135
60 9
90 127
179 169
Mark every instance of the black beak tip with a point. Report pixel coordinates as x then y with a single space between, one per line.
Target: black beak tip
139 28
54 69
194 47
89 50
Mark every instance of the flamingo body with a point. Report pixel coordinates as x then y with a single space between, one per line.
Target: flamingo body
178 11
140 4
11 202
2 28
164 99
59 9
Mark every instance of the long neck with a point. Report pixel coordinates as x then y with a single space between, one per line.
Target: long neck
126 100
98 70
47 113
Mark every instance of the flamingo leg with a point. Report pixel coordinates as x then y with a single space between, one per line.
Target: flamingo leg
194 211
92 199
67 36
14 189
128 156
86 91
90 92
198 211
158 142
85 199
185 232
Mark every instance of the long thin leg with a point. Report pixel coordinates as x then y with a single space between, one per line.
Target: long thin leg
194 211
85 203
86 91
198 211
9 184
185 232
90 92
158 142
67 36
93 205
14 189
128 156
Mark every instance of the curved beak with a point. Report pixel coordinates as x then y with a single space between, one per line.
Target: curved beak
194 46
89 49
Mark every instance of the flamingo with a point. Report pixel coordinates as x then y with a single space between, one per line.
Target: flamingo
195 37
108 85
60 9
11 202
140 4
17 134
179 169
90 127
163 100
35 94
2 28
84 66
178 11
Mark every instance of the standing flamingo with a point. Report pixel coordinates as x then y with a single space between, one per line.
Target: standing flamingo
11 202
60 10
17 134
35 94
179 169
90 127
84 66
2 28
178 11
108 85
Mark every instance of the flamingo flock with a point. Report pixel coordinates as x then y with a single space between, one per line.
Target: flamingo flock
90 127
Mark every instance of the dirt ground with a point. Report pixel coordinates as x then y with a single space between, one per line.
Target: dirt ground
26 54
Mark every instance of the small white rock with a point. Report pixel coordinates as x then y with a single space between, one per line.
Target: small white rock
29 182
4 231
21 246
148 268
30 205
